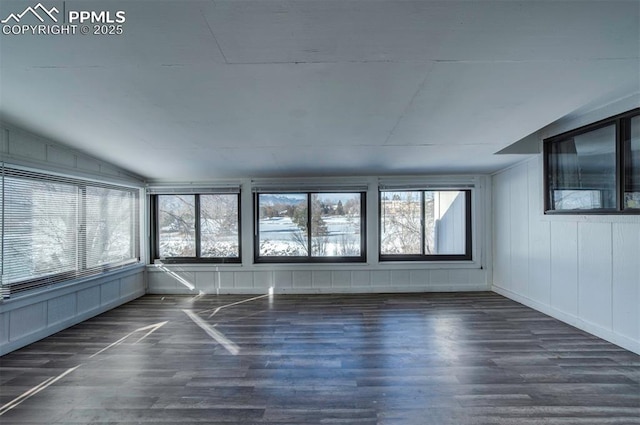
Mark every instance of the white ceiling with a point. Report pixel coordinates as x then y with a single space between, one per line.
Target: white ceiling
200 90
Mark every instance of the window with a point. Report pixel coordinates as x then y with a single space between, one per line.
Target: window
219 226
55 229
111 223
584 170
425 225
595 168
176 226
197 227
310 227
632 165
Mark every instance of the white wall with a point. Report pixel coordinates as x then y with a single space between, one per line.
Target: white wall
371 276
584 270
321 278
29 318
33 316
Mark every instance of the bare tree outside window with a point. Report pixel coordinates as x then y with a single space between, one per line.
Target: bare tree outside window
219 225
40 230
401 222
110 217
198 227
176 222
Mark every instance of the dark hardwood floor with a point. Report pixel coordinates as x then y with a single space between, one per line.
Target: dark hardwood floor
443 359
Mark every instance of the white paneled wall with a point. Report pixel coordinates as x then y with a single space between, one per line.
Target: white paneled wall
582 269
311 279
24 148
28 318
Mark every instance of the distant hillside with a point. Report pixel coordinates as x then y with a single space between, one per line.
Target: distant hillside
293 198
281 199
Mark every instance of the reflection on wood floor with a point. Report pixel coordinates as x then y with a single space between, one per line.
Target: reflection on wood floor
442 359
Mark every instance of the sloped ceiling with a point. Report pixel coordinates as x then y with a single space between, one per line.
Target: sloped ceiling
200 90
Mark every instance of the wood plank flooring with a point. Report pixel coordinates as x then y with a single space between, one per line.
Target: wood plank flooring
442 359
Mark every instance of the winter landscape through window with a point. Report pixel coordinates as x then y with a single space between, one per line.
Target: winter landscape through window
310 226
198 227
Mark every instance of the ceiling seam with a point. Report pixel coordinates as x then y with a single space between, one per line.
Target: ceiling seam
224 57
408 106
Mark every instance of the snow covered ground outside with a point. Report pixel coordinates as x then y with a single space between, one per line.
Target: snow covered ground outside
281 236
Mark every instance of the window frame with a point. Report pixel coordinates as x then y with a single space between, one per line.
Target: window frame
197 259
309 258
467 256
81 270
625 133
622 123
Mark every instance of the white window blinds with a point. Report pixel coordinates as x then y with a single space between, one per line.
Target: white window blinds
56 228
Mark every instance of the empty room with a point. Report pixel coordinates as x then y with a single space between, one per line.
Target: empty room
320 211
